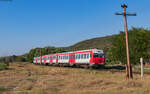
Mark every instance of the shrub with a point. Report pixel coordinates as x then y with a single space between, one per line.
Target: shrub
3 66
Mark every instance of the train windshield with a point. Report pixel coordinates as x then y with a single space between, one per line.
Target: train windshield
98 55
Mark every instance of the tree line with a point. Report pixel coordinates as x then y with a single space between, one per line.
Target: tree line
13 58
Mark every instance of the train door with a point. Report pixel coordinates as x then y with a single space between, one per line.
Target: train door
56 58
72 58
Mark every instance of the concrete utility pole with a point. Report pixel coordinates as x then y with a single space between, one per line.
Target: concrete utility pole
142 70
129 69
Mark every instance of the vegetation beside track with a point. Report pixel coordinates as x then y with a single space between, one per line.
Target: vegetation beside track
3 66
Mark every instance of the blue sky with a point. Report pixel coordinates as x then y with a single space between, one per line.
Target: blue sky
26 24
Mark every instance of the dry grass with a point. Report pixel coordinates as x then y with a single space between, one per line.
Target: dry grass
34 79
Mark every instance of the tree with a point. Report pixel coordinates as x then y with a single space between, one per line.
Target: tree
36 52
139 46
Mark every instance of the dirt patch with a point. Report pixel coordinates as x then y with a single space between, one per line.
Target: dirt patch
133 84
96 82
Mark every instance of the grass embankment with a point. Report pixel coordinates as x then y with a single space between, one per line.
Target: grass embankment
146 70
34 79
3 66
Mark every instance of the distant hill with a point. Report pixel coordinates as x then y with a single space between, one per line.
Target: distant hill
100 43
103 43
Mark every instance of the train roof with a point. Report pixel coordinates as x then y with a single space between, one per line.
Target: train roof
94 51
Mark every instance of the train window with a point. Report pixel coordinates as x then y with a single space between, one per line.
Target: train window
98 55
101 55
79 56
87 55
90 55
84 56
95 55
71 57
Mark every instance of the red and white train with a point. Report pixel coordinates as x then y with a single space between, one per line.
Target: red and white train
92 57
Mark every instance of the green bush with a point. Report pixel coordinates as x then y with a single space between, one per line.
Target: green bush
2 88
3 66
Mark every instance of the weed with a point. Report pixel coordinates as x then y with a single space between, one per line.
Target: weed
3 66
2 88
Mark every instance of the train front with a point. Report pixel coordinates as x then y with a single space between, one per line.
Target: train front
98 57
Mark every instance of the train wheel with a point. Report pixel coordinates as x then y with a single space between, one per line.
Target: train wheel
46 64
90 67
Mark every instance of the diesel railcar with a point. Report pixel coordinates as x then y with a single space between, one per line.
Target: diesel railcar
91 57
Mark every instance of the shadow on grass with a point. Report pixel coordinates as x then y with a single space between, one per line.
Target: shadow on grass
116 67
103 67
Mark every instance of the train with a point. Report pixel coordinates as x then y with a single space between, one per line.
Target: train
88 58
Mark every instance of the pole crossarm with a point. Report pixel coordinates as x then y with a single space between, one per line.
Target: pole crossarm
127 14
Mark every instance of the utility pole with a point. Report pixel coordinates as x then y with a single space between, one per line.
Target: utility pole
125 14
